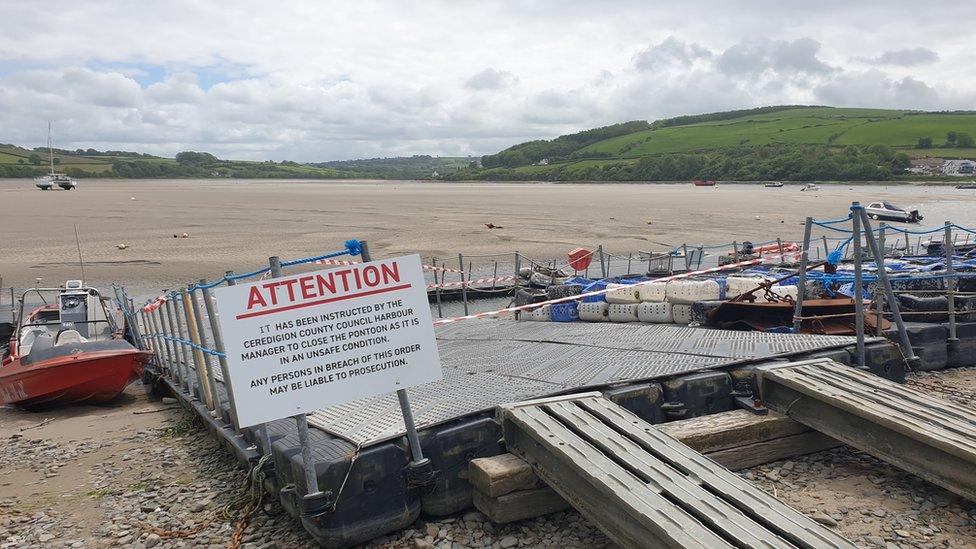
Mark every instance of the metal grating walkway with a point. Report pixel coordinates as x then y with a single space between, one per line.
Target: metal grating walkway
644 488
487 363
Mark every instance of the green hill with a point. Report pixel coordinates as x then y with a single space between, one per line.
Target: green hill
20 162
786 142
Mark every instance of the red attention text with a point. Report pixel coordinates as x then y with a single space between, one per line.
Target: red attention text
315 289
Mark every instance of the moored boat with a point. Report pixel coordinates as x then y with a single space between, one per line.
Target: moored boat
68 351
703 182
773 184
54 178
971 185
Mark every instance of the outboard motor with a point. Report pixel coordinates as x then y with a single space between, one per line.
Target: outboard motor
747 248
73 307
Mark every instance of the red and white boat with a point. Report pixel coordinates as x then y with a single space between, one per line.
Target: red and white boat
67 350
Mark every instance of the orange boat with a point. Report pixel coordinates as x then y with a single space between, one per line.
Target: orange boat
68 351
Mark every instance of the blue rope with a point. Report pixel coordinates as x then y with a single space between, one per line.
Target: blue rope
186 343
353 247
835 256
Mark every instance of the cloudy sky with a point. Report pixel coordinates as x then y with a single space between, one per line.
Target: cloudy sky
313 80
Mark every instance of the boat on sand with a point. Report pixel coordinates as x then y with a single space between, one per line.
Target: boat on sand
67 350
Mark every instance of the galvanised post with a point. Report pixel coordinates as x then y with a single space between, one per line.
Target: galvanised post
906 344
858 285
464 286
950 251
412 439
801 285
879 298
301 421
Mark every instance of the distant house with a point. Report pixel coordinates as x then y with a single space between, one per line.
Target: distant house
543 162
959 167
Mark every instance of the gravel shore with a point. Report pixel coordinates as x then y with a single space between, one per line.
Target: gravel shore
143 474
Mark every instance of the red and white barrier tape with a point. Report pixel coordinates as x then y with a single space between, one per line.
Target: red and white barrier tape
347 263
764 259
459 284
154 304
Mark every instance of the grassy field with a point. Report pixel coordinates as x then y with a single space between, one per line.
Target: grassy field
20 156
818 125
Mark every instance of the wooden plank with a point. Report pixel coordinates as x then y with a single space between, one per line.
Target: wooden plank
919 433
644 488
768 451
736 440
628 512
771 512
718 514
733 429
502 474
520 505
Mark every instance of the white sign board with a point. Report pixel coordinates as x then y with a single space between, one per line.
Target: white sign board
307 341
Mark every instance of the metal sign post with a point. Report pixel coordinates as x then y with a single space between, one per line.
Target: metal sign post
421 471
312 491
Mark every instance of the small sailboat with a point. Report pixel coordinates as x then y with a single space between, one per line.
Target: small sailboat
62 180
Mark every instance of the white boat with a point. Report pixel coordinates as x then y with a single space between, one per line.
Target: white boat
810 187
62 180
773 184
887 211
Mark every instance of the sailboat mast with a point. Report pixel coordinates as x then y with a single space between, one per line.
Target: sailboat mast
50 149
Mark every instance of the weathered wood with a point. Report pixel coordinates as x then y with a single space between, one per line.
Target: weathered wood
644 488
768 451
921 434
520 505
502 474
733 429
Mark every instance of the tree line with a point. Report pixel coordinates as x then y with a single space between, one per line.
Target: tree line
791 162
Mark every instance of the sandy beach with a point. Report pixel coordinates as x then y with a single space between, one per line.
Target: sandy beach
236 225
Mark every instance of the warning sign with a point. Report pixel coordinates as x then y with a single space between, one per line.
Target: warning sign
304 342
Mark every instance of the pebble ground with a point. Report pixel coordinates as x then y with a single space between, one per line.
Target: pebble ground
143 475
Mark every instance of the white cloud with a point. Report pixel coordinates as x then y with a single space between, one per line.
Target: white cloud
672 51
311 81
908 57
491 79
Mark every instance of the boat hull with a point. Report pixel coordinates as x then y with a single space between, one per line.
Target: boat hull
82 377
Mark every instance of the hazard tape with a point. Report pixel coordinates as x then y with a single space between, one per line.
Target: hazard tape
459 284
154 304
765 259
347 263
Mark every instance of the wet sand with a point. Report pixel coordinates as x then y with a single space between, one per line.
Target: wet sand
236 225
